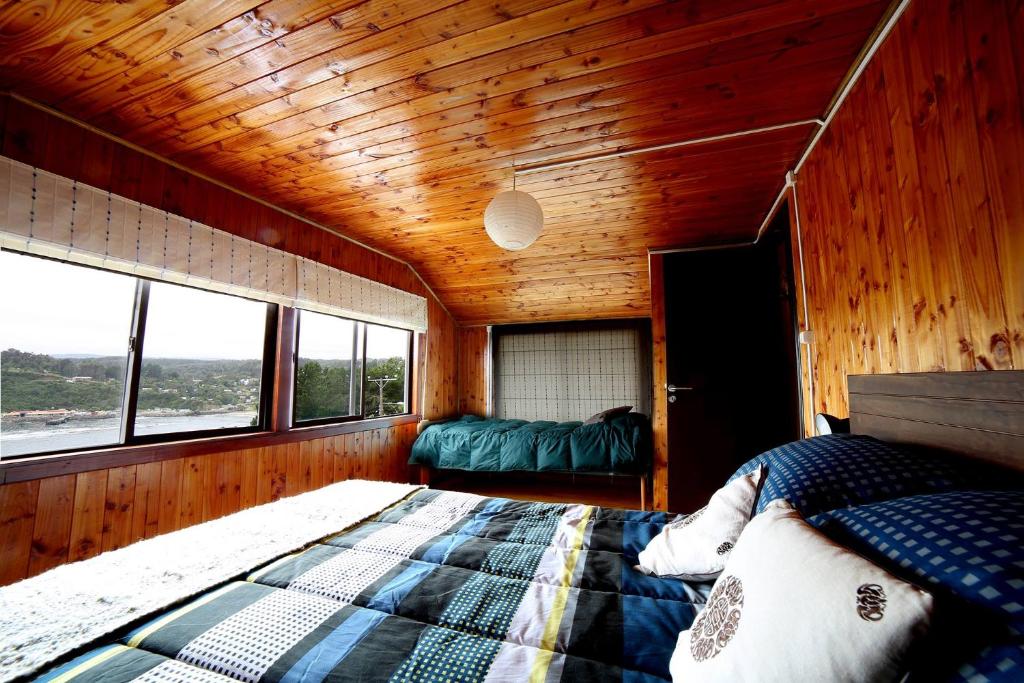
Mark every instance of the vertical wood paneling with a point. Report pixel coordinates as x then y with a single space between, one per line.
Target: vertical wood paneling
17 506
51 521
266 476
251 461
441 383
473 359
146 508
193 489
171 477
659 363
911 206
86 537
117 514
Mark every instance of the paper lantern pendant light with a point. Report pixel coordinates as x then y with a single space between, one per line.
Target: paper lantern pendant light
513 220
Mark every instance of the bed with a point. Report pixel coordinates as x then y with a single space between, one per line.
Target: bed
619 445
452 586
443 583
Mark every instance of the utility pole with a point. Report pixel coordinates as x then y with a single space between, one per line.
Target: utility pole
380 382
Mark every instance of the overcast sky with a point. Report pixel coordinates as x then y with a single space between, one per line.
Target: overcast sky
53 308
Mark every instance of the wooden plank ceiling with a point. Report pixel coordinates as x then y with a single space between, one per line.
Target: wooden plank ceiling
396 121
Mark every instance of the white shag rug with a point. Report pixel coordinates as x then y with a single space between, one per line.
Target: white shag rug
45 617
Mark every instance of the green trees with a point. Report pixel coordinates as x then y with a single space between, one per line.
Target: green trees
25 390
40 382
321 391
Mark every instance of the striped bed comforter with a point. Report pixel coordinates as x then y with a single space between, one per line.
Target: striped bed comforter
443 586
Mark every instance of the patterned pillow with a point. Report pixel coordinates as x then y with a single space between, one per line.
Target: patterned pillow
696 547
838 470
791 605
967 547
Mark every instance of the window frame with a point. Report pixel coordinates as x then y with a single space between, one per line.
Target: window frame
408 371
280 352
296 423
361 357
136 347
133 373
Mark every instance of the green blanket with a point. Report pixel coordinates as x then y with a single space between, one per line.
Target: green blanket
621 445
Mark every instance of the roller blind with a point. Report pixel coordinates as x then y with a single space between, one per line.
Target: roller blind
49 215
565 375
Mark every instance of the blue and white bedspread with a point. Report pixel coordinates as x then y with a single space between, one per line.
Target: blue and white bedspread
442 586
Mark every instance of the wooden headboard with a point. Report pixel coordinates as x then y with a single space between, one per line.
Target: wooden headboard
974 414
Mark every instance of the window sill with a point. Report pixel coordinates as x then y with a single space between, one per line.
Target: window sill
38 467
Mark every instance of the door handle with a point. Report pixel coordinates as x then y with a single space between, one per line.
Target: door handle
672 388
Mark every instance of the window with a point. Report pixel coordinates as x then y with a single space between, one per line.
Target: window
388 350
330 382
570 371
94 358
202 361
327 368
64 333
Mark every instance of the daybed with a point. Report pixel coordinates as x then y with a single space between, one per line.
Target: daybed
617 445
620 445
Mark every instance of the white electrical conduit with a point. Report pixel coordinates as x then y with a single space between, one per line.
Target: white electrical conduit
865 57
669 145
791 182
844 91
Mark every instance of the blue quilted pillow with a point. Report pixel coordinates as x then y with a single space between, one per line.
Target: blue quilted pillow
838 470
967 547
970 543
1003 663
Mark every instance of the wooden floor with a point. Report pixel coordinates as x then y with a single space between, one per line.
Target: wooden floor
605 491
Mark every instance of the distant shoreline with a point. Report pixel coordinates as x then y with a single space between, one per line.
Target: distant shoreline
41 417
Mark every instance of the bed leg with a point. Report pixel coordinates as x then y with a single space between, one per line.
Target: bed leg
425 475
643 492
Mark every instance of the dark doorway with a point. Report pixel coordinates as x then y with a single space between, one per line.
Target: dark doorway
732 354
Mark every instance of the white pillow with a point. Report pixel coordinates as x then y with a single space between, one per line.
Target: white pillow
696 547
792 605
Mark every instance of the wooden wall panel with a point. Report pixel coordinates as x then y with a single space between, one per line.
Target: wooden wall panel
47 522
659 365
911 207
59 146
474 357
17 505
440 393
50 521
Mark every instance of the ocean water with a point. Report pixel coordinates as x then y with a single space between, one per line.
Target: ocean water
39 438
